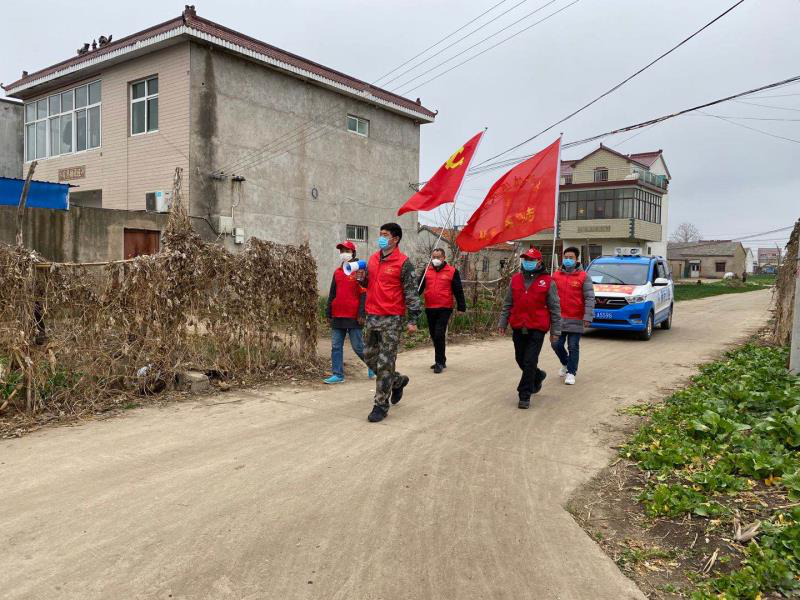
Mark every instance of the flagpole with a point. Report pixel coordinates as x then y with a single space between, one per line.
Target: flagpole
455 199
555 214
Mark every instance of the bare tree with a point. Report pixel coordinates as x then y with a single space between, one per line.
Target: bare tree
685 232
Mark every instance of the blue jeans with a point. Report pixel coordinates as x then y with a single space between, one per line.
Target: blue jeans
568 358
337 348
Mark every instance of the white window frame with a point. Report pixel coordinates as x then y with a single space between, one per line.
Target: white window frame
356 229
48 119
358 121
145 99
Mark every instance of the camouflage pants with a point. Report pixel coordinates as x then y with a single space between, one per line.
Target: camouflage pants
381 341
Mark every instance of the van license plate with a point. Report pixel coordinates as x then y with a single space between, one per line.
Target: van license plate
603 314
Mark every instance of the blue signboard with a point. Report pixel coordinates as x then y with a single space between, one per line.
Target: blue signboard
41 194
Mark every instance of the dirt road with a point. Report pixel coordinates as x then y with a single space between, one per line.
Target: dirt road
290 494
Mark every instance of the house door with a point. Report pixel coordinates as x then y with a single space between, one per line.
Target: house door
141 241
694 269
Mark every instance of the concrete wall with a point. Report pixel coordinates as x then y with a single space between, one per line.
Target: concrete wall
11 133
237 107
77 235
125 167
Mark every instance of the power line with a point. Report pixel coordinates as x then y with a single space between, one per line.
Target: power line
461 39
492 166
737 118
768 106
461 52
616 87
492 47
761 131
443 39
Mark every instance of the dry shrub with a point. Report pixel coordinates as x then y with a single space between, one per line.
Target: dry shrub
784 291
75 338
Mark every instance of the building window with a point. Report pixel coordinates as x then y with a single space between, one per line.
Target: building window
485 264
63 123
568 179
720 267
601 174
358 125
144 106
357 233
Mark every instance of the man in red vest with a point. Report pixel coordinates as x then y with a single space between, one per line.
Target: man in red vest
532 309
442 291
576 295
391 292
346 314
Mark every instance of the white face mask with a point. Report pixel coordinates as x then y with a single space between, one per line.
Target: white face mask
346 256
436 262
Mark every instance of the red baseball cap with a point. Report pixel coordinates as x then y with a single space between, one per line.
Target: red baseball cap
347 246
532 254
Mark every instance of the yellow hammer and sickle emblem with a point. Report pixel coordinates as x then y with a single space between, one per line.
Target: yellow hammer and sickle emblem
452 163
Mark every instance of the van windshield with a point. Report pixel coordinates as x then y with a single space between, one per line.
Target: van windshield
619 273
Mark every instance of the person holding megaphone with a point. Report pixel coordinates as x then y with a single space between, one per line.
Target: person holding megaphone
392 304
345 312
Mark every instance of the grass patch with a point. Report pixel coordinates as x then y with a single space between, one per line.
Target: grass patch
733 434
692 291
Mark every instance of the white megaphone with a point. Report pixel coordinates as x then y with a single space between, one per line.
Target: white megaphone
351 267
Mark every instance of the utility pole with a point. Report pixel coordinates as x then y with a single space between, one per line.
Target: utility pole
794 358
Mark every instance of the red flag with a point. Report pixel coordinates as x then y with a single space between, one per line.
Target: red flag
519 204
445 183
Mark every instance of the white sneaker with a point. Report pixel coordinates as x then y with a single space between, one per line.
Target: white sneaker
569 379
562 372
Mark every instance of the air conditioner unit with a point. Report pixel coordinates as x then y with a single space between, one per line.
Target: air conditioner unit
157 202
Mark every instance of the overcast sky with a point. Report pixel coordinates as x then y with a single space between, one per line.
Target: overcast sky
728 180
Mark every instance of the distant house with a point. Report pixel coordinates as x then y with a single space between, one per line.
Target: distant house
486 265
609 200
769 257
706 258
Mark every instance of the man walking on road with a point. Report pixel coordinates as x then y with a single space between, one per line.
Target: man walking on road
442 290
532 309
346 314
391 291
576 296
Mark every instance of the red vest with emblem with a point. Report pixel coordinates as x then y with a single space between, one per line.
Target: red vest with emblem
529 309
570 293
439 287
385 295
348 296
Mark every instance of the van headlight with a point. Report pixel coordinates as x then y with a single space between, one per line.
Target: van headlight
635 299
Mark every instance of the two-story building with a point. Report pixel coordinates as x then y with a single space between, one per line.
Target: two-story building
607 200
271 144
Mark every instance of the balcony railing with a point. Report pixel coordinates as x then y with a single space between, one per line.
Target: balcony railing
603 175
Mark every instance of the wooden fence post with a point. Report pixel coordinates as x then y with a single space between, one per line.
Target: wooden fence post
22 199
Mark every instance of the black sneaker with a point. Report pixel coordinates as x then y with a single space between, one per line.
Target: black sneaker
378 414
438 369
397 392
524 403
444 366
433 366
538 380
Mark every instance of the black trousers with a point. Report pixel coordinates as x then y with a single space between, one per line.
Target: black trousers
527 347
437 326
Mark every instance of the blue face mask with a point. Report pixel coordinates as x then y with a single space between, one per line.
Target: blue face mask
568 262
383 242
530 265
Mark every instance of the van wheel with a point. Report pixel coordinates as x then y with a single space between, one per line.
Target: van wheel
667 323
647 333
